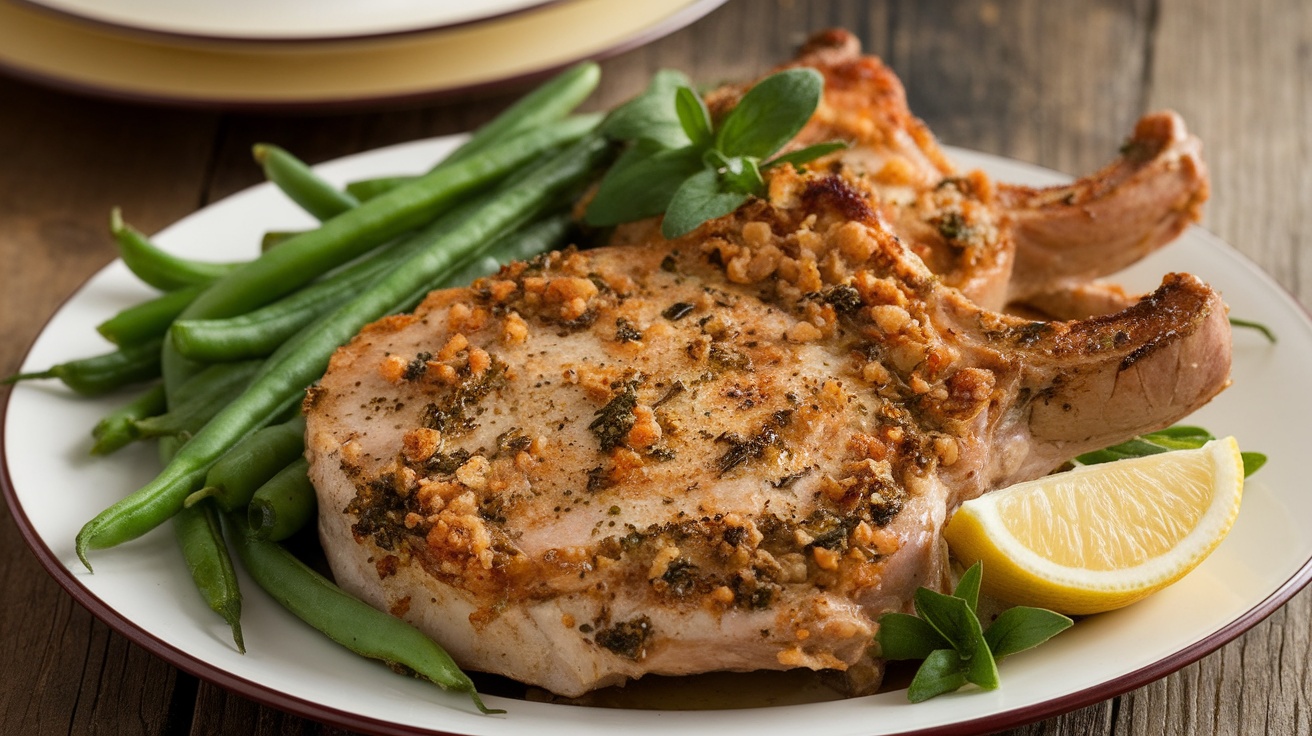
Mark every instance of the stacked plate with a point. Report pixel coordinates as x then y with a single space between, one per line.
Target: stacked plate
316 53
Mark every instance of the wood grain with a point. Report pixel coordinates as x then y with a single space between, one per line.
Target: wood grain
1058 84
62 671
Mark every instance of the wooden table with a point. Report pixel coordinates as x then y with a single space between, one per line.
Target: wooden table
1058 84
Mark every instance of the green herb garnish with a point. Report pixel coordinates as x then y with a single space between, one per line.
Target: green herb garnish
679 164
1180 437
1267 332
946 633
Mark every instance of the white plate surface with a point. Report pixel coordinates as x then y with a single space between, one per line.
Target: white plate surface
143 590
286 19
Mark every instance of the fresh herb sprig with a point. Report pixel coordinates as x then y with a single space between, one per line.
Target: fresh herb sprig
1179 437
947 634
679 164
1249 324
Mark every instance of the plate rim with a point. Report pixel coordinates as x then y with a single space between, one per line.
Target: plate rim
1012 718
328 101
164 34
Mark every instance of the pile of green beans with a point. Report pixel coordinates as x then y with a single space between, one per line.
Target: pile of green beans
227 350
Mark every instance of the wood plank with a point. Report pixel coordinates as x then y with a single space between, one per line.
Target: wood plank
67 162
219 713
1049 83
1257 144
1094 719
1238 74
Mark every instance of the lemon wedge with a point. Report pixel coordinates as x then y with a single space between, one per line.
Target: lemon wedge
1099 537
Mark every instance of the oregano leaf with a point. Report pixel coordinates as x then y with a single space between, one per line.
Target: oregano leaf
903 636
947 635
698 199
968 586
651 115
951 617
1248 324
1182 433
643 186
804 155
740 174
1253 461
942 672
1153 443
693 116
1023 627
770 113
982 668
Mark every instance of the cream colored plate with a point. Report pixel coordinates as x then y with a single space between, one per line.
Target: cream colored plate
285 19
70 54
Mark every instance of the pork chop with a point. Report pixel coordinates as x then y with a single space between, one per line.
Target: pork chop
731 451
998 242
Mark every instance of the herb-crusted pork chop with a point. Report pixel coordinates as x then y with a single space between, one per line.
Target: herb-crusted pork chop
732 451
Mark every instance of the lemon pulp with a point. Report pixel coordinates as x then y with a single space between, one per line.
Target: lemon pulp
1102 536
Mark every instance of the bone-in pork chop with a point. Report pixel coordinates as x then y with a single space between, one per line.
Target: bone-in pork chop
997 242
732 451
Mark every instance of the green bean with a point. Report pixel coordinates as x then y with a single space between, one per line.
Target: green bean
160 269
540 237
168 446
199 399
303 359
367 189
549 102
299 182
285 504
200 538
149 319
531 239
354 232
118 428
545 104
250 463
346 620
101 374
259 332
275 238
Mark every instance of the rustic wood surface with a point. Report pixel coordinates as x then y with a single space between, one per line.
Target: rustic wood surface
1057 84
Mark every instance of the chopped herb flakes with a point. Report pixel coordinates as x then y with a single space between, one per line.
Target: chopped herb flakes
677 311
614 420
626 332
628 639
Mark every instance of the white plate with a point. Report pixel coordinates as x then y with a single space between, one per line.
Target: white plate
329 74
143 590
263 20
